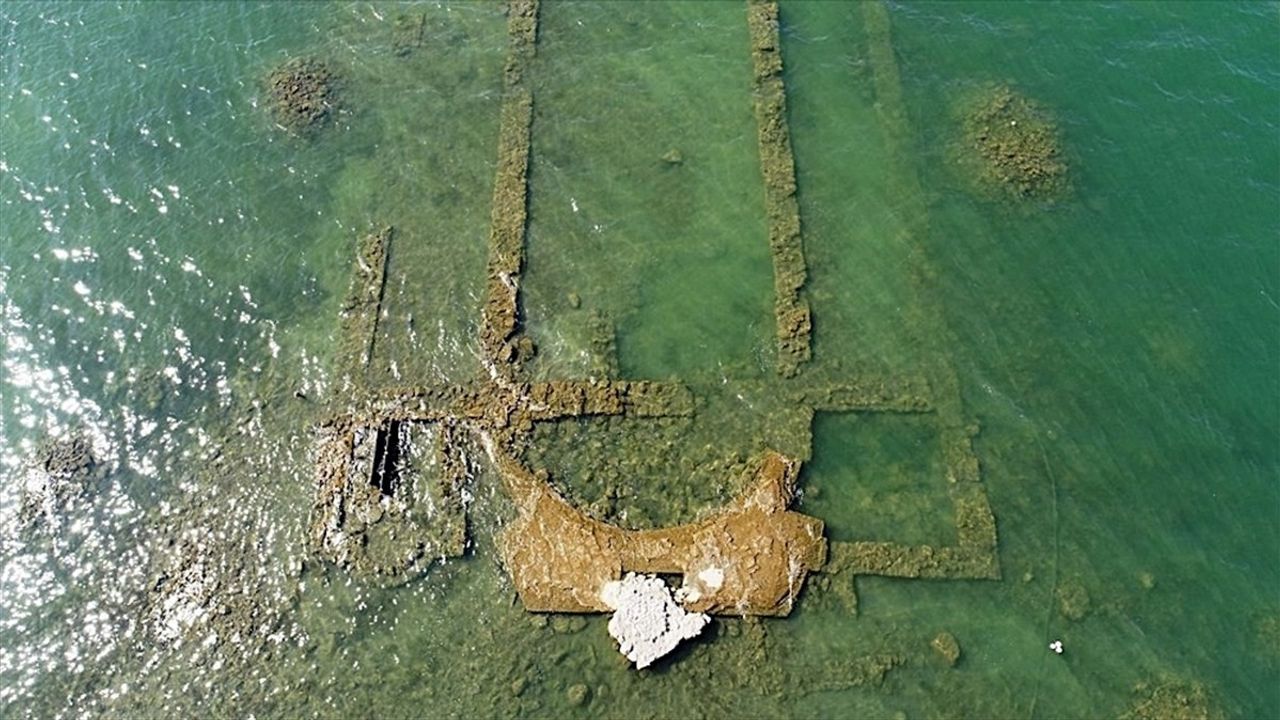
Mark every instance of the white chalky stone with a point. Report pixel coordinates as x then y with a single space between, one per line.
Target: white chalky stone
647 622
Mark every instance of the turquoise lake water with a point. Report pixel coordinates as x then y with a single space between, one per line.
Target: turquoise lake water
172 268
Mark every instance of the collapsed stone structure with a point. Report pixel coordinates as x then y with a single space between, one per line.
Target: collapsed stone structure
393 464
63 469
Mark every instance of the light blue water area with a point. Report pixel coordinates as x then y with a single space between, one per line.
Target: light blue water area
162 253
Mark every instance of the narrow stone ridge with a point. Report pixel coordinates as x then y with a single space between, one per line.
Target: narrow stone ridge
510 196
363 305
790 308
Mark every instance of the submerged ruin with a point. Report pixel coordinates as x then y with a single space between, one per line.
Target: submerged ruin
394 459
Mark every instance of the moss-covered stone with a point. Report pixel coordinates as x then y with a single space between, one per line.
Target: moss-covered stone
302 95
946 646
577 695
63 469
67 458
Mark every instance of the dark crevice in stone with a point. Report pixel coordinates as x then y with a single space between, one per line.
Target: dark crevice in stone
386 459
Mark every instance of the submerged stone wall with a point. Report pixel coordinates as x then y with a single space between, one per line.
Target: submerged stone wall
363 305
510 195
974 556
782 211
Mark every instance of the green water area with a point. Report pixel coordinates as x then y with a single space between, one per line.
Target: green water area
351 353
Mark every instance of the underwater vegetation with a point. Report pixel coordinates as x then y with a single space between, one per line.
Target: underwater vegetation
1013 145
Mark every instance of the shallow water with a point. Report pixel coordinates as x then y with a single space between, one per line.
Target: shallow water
172 266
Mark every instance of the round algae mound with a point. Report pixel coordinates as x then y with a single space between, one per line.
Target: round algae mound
303 94
1012 146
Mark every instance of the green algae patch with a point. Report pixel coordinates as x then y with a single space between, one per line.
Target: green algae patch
1267 636
303 95
946 646
1012 146
408 31
1172 699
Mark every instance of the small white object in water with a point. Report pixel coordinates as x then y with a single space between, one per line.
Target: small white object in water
1056 646
646 622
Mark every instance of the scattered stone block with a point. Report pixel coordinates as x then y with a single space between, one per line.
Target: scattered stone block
947 648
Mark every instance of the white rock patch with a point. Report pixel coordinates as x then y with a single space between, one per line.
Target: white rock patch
712 577
707 581
647 622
